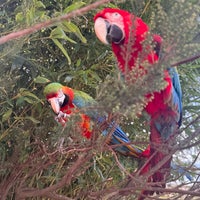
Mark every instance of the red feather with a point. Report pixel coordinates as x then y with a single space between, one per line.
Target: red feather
69 108
129 52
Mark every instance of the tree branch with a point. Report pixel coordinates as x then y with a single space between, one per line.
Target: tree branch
48 23
65 180
185 61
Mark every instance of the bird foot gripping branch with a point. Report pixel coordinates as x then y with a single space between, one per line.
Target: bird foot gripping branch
62 118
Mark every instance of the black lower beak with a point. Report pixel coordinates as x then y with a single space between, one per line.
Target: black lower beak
114 34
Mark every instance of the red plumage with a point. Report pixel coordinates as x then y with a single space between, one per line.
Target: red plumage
84 123
131 48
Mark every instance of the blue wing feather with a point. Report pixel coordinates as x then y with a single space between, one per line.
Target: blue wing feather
88 105
165 122
176 92
119 137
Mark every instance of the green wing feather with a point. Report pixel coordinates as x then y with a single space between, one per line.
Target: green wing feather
86 103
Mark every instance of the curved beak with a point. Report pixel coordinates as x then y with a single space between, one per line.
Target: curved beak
54 104
107 32
100 28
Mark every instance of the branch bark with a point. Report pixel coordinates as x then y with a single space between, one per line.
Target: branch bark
113 192
187 60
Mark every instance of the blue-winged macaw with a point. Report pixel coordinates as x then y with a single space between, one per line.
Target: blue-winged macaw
127 33
64 101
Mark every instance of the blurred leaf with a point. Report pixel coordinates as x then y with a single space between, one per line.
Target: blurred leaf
19 17
29 13
60 46
41 80
26 93
74 29
20 101
6 115
35 121
58 33
39 4
78 62
30 16
29 100
74 6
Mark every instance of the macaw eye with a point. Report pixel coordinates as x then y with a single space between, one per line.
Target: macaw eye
116 15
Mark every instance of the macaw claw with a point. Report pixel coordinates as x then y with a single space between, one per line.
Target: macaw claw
63 115
62 118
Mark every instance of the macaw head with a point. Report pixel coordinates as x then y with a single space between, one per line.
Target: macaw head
114 25
58 96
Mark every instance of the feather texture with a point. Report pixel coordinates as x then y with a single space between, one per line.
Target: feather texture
165 109
83 104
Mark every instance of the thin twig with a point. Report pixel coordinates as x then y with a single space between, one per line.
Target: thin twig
64 181
185 61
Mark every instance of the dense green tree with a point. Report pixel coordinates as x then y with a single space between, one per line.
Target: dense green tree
35 162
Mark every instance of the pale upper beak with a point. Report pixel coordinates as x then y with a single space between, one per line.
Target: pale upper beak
108 32
54 104
100 28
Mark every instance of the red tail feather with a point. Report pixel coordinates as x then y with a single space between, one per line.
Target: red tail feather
157 167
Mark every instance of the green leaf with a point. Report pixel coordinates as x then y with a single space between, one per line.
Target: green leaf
26 93
74 6
111 5
60 46
19 17
78 62
58 33
74 29
41 15
29 100
41 80
29 17
6 115
20 101
39 4
94 75
35 121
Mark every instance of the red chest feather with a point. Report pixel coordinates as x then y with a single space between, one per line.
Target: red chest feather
160 99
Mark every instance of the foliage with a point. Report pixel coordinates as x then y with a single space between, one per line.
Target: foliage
35 151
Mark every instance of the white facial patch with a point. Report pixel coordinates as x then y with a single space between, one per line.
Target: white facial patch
61 97
115 18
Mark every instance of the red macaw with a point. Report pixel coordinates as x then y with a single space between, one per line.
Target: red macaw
127 34
65 101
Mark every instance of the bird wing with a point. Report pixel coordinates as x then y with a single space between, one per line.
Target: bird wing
176 97
85 103
89 106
